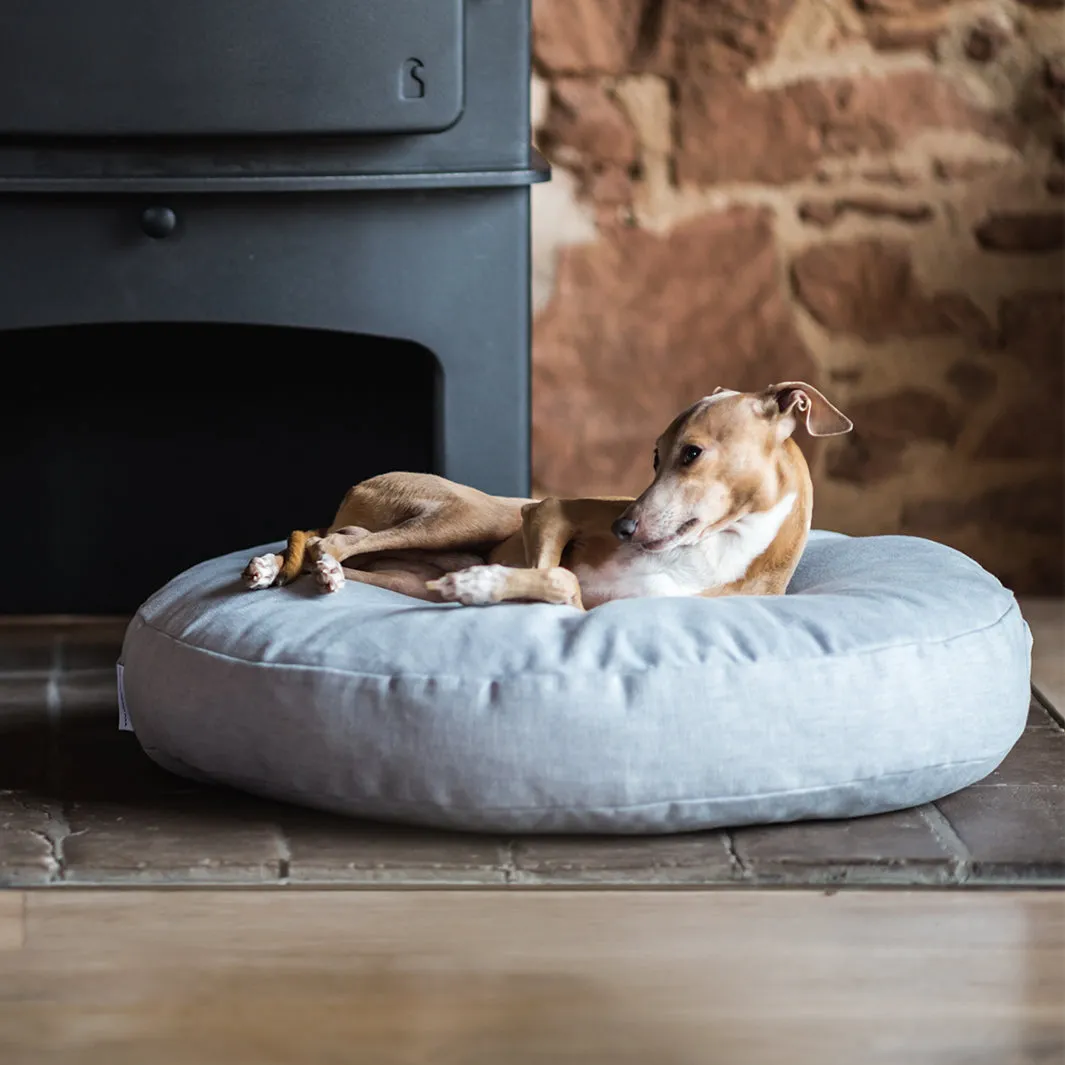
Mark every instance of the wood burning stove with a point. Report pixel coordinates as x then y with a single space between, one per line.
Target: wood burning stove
260 209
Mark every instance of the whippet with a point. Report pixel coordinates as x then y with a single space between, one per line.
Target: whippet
727 513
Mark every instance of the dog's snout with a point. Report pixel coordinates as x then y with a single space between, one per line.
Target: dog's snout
624 528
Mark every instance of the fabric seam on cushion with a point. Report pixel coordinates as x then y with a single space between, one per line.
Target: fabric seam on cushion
1013 608
637 807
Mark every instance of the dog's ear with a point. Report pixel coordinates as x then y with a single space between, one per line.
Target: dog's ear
720 388
789 400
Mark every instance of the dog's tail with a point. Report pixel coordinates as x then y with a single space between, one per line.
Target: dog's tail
295 554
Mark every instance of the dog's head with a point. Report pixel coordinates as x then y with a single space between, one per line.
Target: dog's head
717 462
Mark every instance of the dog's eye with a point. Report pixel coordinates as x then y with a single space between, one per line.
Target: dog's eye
689 454
656 461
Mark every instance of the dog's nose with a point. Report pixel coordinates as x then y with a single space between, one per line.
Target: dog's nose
624 528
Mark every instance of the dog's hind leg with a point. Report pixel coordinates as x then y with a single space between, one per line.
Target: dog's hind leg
452 526
265 571
409 576
435 530
262 571
389 513
409 511
412 584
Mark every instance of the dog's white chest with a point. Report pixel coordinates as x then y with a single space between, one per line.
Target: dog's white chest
719 559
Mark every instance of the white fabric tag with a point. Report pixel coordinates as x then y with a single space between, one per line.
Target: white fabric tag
124 723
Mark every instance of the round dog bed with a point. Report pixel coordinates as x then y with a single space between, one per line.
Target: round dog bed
894 672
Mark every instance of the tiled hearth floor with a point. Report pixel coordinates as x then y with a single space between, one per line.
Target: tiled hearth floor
81 805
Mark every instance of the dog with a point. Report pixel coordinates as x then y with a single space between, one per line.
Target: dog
727 513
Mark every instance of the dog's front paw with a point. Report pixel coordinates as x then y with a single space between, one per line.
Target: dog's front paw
476 586
329 574
561 586
261 572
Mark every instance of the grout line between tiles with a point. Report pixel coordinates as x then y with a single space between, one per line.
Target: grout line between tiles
284 855
739 866
1056 715
57 828
509 864
949 840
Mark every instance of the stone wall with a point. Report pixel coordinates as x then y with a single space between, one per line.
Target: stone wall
863 193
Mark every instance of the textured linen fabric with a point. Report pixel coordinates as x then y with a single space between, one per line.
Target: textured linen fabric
895 671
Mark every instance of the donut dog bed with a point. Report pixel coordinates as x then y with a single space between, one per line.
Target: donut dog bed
895 671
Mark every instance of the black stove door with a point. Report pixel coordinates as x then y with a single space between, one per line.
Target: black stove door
147 68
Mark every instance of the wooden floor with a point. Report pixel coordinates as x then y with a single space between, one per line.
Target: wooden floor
523 977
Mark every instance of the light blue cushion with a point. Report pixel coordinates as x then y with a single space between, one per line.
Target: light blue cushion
894 672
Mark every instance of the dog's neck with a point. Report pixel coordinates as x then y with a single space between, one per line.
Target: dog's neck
729 552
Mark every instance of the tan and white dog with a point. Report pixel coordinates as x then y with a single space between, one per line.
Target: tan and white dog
727 513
